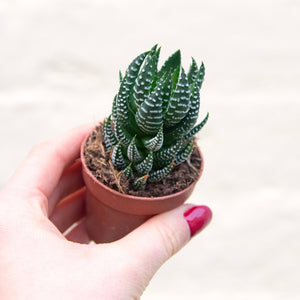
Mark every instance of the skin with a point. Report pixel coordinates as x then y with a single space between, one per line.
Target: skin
38 260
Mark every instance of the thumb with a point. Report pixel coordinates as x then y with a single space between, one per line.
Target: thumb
154 242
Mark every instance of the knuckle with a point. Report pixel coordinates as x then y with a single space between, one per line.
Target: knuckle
37 148
47 149
38 200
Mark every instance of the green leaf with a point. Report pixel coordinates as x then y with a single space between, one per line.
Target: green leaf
108 135
168 152
166 91
201 74
195 105
146 165
115 109
144 80
184 153
159 164
171 63
154 48
196 129
155 76
122 135
126 88
187 123
140 183
117 157
199 78
156 142
133 153
174 78
120 76
149 115
128 172
179 103
158 175
193 71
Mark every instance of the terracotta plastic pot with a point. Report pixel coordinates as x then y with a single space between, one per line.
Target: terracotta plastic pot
111 215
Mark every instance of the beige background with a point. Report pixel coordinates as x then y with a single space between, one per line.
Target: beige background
59 63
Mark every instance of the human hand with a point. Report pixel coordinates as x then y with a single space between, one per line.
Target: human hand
42 200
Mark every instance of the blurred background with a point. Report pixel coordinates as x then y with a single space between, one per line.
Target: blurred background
59 64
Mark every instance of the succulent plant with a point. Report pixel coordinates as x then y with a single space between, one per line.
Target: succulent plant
153 118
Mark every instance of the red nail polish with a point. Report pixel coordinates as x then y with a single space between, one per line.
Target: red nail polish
198 217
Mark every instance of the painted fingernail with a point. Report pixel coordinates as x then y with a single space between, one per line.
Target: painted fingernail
197 218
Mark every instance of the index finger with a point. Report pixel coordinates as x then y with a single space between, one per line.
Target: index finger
46 162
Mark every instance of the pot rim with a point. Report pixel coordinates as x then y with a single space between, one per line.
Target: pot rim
127 196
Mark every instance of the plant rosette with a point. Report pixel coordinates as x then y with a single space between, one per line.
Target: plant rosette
143 159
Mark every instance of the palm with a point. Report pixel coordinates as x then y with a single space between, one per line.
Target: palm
41 259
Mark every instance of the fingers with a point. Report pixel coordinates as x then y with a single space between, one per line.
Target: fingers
70 181
69 210
162 236
44 165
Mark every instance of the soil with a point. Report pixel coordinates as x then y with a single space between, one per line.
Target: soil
98 161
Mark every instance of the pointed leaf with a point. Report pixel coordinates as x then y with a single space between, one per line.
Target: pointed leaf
146 165
155 76
108 135
184 153
193 71
120 76
171 63
160 164
154 48
156 142
196 129
194 107
199 78
149 115
115 109
179 103
133 153
122 135
117 157
174 78
166 91
168 152
140 183
144 80
126 88
128 172
158 175
187 123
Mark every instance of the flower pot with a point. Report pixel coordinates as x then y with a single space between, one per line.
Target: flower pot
111 214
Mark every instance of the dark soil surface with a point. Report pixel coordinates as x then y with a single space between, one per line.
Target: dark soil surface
98 161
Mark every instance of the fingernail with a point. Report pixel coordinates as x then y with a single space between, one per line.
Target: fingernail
197 218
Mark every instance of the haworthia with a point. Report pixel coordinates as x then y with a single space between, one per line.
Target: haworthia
145 166
126 88
179 103
153 116
108 133
133 152
149 117
158 175
117 157
196 129
156 142
184 153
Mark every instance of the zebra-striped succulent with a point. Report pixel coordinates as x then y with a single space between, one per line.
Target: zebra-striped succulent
153 117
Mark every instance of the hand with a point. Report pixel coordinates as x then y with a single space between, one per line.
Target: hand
37 261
